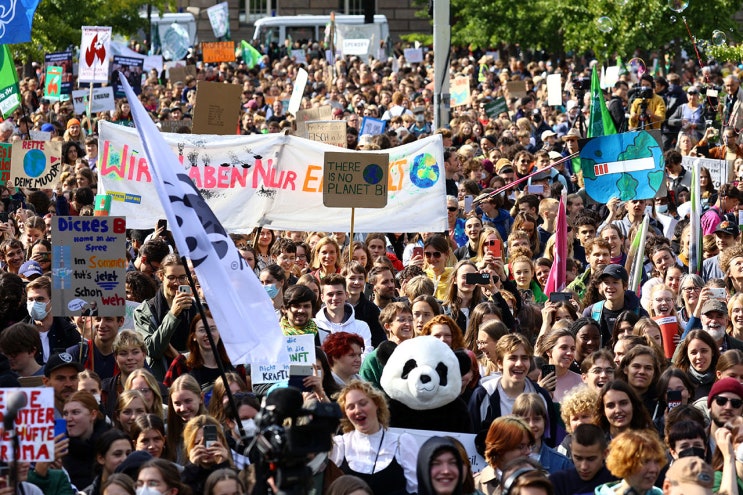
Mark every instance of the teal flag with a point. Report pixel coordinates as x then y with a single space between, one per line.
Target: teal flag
10 98
251 56
599 120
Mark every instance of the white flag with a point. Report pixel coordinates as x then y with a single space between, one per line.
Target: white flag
242 310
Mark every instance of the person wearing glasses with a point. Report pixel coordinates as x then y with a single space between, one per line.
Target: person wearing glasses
436 250
725 403
163 321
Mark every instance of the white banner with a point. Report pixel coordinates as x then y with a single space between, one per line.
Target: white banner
719 170
273 181
94 54
103 100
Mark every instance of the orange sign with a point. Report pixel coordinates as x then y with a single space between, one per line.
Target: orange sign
218 51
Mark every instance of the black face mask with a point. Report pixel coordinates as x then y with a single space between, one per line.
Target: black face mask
692 452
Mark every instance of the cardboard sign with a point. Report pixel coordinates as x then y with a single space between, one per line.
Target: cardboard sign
89 266
301 348
356 47
179 73
300 82
460 91
413 55
103 100
131 68
372 126
218 51
34 425
719 170
35 164
554 90
64 60
5 153
328 132
496 107
466 439
217 108
94 52
324 112
516 89
53 82
355 180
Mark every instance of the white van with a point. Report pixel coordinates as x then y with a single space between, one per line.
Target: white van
312 27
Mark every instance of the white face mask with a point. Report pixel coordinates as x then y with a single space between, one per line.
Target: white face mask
249 427
739 453
147 490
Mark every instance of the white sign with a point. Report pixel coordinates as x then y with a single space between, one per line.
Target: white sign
94 54
219 18
299 84
718 169
414 55
103 100
554 90
466 439
355 47
299 56
153 62
301 349
268 176
34 425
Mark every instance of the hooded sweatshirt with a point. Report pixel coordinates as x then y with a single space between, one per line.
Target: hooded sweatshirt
349 324
429 450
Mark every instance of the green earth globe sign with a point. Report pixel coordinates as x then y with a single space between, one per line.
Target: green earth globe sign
373 174
34 163
424 172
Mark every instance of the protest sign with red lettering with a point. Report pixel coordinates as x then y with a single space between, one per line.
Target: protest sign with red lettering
34 425
35 164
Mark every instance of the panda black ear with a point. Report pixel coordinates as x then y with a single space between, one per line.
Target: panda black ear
384 351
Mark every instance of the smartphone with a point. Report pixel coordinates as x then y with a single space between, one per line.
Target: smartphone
547 369
4 216
496 249
60 427
535 189
162 224
210 435
468 203
477 278
417 251
673 398
560 296
184 289
297 374
718 293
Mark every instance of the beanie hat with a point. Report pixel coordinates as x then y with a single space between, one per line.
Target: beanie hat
72 122
725 385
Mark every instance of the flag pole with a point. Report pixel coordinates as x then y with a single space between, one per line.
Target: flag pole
350 241
213 345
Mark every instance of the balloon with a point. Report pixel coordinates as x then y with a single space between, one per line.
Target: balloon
637 65
678 5
718 37
605 24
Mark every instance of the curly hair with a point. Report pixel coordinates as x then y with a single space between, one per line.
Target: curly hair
580 400
338 344
728 255
377 397
631 449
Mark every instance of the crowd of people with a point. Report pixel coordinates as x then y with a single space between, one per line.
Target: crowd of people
593 389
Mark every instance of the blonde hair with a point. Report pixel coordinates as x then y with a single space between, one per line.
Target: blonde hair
192 428
157 403
581 399
631 449
379 400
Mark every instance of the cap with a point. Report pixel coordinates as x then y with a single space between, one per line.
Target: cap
615 271
547 134
572 134
570 105
554 155
727 227
57 361
692 90
502 163
338 112
30 268
695 476
727 384
48 128
252 105
714 305
72 122
133 462
543 175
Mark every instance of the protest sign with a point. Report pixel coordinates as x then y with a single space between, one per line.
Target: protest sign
324 112
88 266
355 180
103 100
179 72
132 68
268 176
39 135
53 82
174 125
34 425
217 108
331 132
5 153
218 51
10 94
299 56
372 126
301 349
516 89
153 62
554 90
219 18
355 47
94 46
300 82
413 55
719 170
269 373
496 107
35 164
466 439
64 60
460 91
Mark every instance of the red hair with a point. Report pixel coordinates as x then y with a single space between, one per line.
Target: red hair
338 344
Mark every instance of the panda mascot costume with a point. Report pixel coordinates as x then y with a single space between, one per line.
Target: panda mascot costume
423 381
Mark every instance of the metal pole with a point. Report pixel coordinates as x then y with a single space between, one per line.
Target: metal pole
441 53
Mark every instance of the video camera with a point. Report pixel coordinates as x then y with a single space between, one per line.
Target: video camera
581 83
283 450
644 93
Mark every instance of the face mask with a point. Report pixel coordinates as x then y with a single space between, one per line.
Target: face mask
271 290
97 398
483 175
661 208
147 490
420 118
739 453
249 427
37 310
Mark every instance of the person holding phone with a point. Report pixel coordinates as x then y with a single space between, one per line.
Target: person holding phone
558 347
436 251
207 451
462 295
675 388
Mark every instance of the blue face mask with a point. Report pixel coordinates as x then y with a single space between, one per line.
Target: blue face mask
37 310
271 290
661 208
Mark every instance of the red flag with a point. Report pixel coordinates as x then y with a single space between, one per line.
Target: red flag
556 277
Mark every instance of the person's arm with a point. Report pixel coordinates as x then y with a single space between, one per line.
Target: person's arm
156 337
677 119
728 483
659 112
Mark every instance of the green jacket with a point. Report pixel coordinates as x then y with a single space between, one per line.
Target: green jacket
55 482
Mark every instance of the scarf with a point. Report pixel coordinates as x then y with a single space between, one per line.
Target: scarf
289 329
702 378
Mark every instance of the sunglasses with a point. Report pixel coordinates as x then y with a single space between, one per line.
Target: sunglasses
491 243
452 208
434 254
721 401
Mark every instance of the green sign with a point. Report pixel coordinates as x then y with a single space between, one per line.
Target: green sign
53 82
496 107
10 98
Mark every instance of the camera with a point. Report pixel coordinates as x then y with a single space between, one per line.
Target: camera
581 83
645 93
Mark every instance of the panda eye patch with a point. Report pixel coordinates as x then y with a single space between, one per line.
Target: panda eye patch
442 370
410 365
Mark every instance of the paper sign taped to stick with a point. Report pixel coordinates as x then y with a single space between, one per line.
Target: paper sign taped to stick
218 51
355 180
301 349
35 164
94 54
355 47
324 112
460 91
327 131
34 425
217 108
413 55
718 169
103 100
300 82
554 90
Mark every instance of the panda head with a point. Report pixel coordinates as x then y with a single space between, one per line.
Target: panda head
422 373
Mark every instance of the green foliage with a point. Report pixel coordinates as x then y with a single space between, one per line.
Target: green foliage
57 23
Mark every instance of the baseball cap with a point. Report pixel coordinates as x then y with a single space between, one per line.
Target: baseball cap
714 305
30 268
503 163
543 175
547 134
57 361
615 271
48 128
727 227
727 384
554 155
691 476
